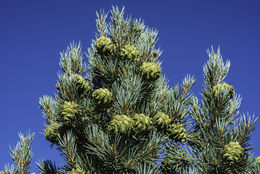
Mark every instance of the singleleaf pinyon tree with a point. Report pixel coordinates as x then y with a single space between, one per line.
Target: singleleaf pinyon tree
114 114
117 115
219 140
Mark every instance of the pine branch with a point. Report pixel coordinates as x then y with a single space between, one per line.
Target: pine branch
21 155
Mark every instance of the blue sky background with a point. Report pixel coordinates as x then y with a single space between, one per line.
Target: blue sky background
33 32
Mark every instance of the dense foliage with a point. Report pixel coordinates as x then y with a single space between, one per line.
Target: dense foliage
218 142
116 114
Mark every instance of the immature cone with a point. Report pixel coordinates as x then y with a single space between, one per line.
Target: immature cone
257 159
121 123
83 85
141 122
130 52
162 120
233 152
102 96
51 132
220 88
76 171
150 71
69 111
177 132
105 46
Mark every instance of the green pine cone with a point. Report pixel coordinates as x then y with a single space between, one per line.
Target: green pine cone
83 85
220 88
257 159
105 46
233 152
51 132
130 52
150 71
69 111
121 123
141 122
177 132
162 120
76 171
102 96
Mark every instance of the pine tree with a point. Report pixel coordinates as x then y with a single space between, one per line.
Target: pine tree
219 139
114 114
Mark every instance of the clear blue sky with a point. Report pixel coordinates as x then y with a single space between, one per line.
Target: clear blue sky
33 32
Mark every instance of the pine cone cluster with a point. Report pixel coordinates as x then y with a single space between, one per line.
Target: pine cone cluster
233 152
76 171
130 52
51 132
177 132
102 96
162 120
150 71
105 46
83 85
121 123
220 88
69 111
141 122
